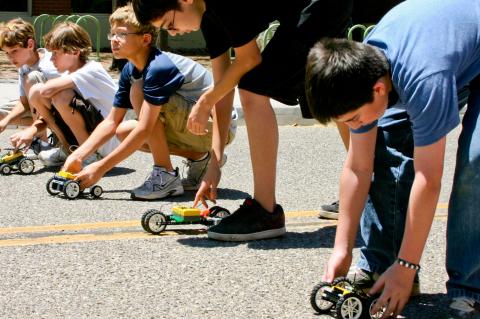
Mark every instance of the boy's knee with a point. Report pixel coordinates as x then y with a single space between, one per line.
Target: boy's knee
136 95
34 93
125 128
251 100
63 98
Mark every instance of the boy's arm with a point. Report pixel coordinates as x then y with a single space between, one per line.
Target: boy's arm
53 86
397 280
147 118
102 133
354 186
222 115
19 108
246 58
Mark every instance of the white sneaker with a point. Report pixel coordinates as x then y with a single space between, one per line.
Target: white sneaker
36 147
53 157
196 170
464 307
159 184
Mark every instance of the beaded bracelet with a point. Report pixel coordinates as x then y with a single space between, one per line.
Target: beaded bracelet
404 263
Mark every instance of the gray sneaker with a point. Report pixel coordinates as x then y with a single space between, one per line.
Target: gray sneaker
366 279
53 157
36 147
196 170
329 211
464 307
159 184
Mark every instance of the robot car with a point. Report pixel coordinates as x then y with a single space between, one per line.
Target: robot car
15 161
155 222
343 299
64 182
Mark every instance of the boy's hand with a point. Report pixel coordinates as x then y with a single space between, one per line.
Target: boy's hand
24 137
208 186
198 118
90 175
337 265
73 164
397 282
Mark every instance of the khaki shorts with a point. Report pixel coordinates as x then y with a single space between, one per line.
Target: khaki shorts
174 115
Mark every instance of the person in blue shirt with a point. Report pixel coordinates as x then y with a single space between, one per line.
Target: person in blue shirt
418 58
161 88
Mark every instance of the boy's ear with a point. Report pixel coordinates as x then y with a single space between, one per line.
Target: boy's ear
147 38
31 44
380 87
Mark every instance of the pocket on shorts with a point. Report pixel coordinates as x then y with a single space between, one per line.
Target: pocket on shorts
175 113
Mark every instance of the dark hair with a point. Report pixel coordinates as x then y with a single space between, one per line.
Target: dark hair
340 75
147 11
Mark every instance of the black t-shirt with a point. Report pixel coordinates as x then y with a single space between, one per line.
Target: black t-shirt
227 24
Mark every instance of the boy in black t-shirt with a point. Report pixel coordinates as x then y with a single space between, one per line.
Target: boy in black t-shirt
278 72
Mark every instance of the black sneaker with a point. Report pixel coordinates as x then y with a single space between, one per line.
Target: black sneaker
250 222
329 211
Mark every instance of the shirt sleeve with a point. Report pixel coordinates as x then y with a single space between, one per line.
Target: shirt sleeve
433 107
122 97
161 81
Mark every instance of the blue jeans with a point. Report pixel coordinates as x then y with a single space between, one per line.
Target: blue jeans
463 227
383 219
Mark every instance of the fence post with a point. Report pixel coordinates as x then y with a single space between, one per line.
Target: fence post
97 25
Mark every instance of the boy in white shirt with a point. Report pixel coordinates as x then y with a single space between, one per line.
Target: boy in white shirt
17 40
73 104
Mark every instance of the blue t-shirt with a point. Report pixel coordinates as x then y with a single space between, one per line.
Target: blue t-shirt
164 74
433 48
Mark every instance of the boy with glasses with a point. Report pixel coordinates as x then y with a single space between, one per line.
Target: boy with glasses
161 88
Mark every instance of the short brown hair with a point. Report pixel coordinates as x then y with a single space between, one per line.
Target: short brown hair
126 15
16 32
69 37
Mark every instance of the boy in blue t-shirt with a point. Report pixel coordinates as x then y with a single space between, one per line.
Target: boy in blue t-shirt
418 58
161 88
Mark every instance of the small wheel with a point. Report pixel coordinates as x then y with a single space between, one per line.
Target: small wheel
219 212
96 191
350 306
318 298
343 282
154 222
71 189
26 166
50 188
377 315
5 169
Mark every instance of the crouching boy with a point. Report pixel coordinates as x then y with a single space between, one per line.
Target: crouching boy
161 88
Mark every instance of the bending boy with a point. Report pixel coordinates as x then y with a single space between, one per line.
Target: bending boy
73 104
17 40
260 76
161 88
403 65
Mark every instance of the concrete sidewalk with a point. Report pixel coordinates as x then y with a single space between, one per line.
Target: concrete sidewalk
286 114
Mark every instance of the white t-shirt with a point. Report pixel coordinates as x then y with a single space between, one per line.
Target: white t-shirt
94 84
44 65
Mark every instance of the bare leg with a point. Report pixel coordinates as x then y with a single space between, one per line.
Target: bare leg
263 140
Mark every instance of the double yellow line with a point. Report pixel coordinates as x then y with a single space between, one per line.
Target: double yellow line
57 238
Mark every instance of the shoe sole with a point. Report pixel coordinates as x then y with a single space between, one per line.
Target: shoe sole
328 215
272 233
153 196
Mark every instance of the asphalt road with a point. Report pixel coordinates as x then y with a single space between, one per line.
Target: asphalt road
90 258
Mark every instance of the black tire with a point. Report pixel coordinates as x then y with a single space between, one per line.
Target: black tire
319 304
350 306
26 166
343 282
96 191
50 190
154 222
219 212
5 169
71 189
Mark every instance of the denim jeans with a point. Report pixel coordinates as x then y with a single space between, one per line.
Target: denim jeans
463 227
383 219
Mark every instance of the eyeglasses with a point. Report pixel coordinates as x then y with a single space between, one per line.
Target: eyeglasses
120 35
171 26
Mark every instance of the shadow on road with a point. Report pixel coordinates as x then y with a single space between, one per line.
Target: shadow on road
117 171
320 238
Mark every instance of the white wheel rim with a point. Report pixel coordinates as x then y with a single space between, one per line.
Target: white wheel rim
321 303
26 166
72 190
157 222
97 191
352 308
377 315
6 169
